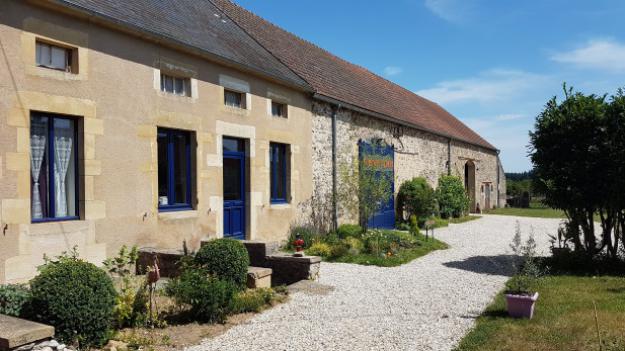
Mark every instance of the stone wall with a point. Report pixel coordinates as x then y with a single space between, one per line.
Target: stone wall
417 153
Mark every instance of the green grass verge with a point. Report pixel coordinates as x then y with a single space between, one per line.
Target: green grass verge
463 219
402 257
564 318
540 212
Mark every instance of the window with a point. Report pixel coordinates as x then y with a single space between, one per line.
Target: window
234 98
54 167
278 164
278 109
175 85
54 57
174 169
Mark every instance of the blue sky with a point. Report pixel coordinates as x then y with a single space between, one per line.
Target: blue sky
493 64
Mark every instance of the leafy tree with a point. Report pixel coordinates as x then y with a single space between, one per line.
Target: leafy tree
577 155
452 197
416 197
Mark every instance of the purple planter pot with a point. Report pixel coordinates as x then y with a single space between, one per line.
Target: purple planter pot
521 306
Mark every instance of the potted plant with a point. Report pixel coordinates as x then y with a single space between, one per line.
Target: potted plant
521 295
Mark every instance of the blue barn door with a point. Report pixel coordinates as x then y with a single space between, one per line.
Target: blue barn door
234 188
380 157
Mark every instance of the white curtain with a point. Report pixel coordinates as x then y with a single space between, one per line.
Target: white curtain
37 152
62 157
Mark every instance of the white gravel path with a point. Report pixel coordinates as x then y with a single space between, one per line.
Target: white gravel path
428 304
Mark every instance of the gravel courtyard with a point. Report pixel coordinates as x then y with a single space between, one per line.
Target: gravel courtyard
428 304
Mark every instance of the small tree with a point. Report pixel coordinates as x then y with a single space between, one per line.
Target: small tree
452 197
364 190
416 197
572 155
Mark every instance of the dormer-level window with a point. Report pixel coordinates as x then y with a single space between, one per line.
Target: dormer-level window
175 85
54 57
278 109
234 98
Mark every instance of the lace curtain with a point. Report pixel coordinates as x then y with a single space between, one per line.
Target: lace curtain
62 157
37 153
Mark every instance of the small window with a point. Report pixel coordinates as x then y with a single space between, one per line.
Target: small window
175 85
234 98
54 57
54 167
174 169
279 172
278 109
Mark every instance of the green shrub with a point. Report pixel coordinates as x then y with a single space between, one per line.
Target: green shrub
347 230
414 225
77 298
416 197
252 300
452 197
308 234
319 249
226 259
354 245
210 298
13 299
339 249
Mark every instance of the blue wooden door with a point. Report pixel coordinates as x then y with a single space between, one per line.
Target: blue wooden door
234 193
381 157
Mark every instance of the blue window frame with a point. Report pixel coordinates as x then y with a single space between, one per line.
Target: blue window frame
174 170
54 167
279 172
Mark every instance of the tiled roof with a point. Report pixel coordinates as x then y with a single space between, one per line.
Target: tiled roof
196 24
340 80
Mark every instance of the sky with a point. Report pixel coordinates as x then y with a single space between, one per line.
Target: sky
492 63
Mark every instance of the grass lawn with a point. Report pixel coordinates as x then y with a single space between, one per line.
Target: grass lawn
564 318
402 256
441 223
535 210
463 219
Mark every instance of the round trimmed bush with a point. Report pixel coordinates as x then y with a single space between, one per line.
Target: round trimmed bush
453 200
226 259
77 298
416 197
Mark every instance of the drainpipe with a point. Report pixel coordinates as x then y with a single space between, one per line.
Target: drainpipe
449 157
498 177
334 202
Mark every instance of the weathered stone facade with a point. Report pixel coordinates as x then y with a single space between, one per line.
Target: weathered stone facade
417 154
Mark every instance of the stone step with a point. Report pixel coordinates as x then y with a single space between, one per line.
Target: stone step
258 277
15 332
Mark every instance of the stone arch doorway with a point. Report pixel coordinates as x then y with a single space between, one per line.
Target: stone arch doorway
469 183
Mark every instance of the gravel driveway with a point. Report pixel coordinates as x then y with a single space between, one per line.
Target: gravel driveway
428 304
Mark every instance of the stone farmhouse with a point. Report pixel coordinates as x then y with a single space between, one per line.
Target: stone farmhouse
154 123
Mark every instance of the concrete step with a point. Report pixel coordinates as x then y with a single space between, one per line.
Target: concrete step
15 332
258 277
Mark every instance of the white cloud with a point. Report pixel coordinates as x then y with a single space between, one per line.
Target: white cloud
602 54
392 70
450 10
489 86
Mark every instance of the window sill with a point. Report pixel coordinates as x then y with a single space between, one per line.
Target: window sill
55 220
176 214
279 205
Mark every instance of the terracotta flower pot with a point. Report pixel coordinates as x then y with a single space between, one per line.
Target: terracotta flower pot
521 306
